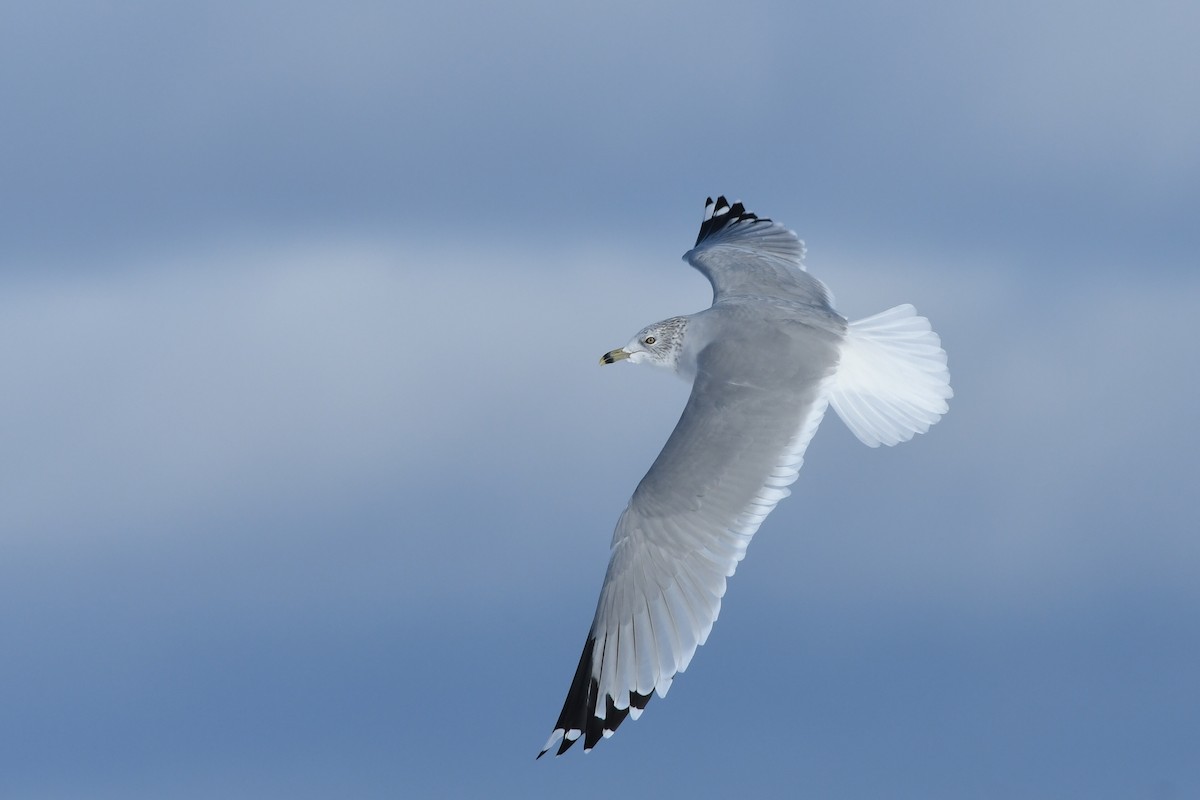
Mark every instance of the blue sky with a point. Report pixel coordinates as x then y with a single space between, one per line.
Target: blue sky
308 472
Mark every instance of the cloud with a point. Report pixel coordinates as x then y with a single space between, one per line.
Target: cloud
222 463
313 376
309 470
926 123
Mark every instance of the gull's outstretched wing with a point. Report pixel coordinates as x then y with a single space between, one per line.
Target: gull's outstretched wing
743 254
758 397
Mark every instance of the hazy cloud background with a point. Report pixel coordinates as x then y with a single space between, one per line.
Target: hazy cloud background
308 472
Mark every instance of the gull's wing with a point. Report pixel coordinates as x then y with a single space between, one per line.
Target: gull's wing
738 445
743 254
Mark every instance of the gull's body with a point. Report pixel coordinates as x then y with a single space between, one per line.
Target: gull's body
766 360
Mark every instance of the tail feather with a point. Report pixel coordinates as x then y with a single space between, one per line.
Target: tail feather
892 381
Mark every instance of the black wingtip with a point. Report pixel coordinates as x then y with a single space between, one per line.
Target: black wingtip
581 700
721 214
579 711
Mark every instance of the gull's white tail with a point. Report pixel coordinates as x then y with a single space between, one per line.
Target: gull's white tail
892 381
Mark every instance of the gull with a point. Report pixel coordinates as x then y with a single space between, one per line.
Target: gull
765 361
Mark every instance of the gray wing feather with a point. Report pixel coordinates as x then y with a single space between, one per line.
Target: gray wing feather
738 445
743 254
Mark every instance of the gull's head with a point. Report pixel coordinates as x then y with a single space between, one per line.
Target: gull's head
658 345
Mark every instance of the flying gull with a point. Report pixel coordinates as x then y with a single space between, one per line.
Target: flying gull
765 362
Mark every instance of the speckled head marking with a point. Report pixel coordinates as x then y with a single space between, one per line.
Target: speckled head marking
658 345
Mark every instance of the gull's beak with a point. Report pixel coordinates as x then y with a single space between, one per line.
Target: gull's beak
613 356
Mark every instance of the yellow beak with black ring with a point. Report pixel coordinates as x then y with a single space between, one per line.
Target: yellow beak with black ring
613 356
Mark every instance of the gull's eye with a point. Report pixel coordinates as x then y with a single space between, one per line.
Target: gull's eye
649 340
